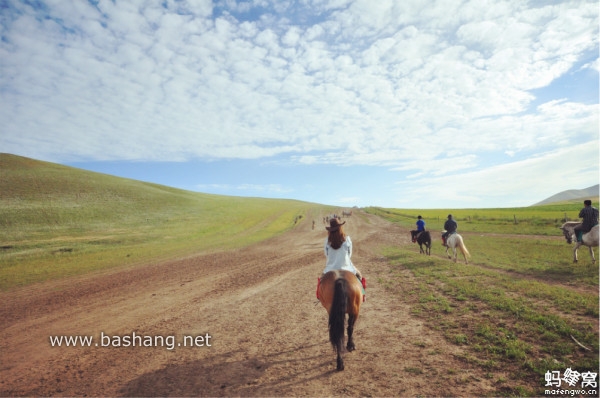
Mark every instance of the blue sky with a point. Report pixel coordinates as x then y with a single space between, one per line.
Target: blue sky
407 104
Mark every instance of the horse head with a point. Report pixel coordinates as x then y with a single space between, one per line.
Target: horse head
568 230
413 235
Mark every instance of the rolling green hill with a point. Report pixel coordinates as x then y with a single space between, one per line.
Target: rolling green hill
57 221
572 194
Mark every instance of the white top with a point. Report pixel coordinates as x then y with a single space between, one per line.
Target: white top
339 258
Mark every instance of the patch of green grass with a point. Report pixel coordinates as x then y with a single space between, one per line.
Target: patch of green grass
58 221
517 321
416 371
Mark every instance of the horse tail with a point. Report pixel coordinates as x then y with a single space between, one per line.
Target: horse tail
463 248
337 315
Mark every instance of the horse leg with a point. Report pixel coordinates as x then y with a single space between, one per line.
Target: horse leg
575 252
448 247
455 254
350 346
340 361
592 254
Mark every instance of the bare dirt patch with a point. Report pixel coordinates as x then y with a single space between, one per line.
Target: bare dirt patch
268 331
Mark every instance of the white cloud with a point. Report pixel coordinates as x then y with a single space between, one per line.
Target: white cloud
398 84
594 65
517 183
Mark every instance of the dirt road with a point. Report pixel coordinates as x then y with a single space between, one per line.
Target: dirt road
268 333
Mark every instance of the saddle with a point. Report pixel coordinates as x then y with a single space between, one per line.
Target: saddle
445 238
579 233
415 235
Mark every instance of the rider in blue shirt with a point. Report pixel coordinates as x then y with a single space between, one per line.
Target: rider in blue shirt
420 224
420 228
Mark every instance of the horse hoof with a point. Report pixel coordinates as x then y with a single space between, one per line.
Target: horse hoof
350 348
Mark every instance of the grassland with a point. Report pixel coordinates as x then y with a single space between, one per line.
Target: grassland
518 306
57 221
533 220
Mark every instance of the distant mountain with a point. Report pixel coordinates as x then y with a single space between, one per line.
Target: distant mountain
572 194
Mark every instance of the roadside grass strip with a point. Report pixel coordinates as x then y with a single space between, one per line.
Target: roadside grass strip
547 258
507 323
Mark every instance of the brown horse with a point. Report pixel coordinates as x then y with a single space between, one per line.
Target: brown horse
340 292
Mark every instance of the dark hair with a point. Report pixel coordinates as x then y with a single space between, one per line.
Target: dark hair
336 238
587 202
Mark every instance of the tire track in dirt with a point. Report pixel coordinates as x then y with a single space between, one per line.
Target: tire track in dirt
269 333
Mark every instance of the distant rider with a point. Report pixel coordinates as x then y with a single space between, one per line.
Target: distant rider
420 228
420 224
590 219
450 226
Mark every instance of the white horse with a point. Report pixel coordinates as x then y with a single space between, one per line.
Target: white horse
590 239
452 242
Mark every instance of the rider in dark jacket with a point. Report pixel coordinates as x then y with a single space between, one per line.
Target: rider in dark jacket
589 215
450 226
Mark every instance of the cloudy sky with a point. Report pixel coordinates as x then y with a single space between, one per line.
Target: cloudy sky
406 104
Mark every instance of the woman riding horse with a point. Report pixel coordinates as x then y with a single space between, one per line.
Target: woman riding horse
338 249
339 289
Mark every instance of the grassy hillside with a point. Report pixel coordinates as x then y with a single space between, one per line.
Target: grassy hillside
57 221
572 194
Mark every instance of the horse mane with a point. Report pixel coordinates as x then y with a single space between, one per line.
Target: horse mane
570 224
